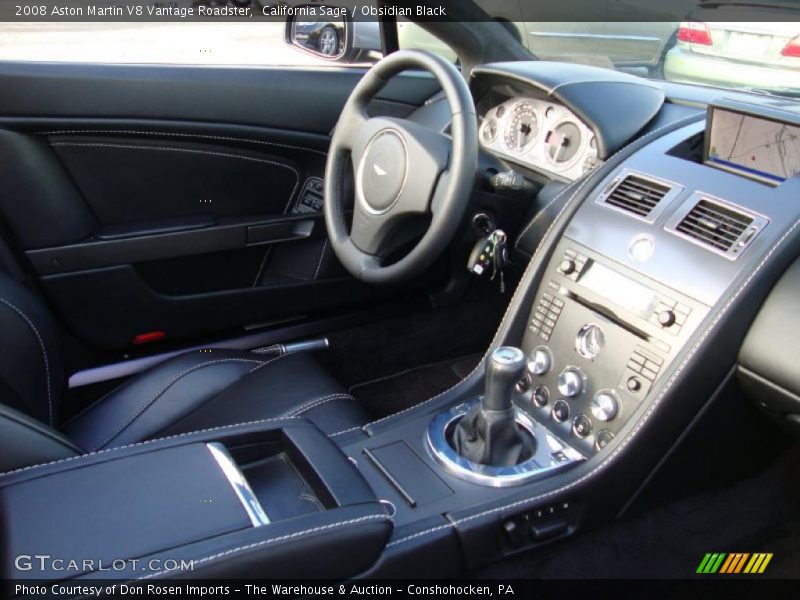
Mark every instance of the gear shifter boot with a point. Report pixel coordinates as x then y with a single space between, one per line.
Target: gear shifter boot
491 438
489 434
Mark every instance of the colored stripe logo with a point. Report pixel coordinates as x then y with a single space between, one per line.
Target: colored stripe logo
734 563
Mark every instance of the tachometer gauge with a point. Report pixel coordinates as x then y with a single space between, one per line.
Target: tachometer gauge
563 143
522 129
489 131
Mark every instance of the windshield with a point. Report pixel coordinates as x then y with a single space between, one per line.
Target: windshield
755 56
753 45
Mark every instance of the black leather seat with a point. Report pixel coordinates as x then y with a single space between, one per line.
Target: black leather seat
196 390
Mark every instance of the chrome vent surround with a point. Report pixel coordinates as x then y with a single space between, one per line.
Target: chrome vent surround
717 225
639 195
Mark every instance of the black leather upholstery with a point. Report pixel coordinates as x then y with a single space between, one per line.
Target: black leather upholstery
201 389
196 390
30 363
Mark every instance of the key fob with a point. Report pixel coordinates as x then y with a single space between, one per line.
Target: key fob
481 258
500 251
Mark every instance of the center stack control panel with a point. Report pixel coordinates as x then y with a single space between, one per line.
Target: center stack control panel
598 337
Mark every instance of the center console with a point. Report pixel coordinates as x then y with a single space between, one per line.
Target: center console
242 501
625 326
598 337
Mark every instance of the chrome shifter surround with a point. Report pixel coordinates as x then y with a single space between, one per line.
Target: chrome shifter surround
550 456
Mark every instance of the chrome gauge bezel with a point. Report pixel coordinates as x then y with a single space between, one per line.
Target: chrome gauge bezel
513 114
535 154
581 154
487 122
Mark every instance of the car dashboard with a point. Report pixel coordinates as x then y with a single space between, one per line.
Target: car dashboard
538 134
644 264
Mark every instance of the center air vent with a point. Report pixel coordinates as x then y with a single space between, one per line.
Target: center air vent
637 195
723 228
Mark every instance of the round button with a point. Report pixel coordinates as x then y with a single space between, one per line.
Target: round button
567 266
524 384
582 426
571 382
540 360
604 406
666 318
602 439
633 384
541 396
560 411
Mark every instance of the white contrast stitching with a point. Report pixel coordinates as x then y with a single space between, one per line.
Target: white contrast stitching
419 534
529 273
648 413
183 135
343 431
610 458
191 151
281 538
172 382
25 318
543 210
299 410
142 443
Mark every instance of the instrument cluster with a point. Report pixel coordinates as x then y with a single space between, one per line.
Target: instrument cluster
544 136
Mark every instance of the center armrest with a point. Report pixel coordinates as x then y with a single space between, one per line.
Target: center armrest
239 501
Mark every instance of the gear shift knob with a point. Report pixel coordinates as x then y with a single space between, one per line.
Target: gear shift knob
504 367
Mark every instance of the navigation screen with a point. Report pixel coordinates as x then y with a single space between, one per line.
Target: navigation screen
754 146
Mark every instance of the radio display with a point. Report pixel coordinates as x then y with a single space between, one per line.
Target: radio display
622 291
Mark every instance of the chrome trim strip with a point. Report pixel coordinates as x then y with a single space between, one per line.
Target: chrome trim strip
596 36
241 488
551 455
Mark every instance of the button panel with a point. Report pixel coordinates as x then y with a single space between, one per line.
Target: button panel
670 315
606 357
572 264
545 315
541 524
310 199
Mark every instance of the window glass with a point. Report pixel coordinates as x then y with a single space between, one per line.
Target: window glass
412 36
252 42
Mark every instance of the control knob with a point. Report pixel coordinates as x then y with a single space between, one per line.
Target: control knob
568 266
666 318
571 382
540 360
604 406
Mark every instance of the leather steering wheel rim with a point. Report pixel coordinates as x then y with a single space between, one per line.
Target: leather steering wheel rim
401 169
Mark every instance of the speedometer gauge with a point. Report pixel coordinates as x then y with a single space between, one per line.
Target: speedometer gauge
522 129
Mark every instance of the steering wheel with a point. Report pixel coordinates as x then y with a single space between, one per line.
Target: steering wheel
402 170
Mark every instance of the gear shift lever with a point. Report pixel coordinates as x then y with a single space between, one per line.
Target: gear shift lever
488 434
504 368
